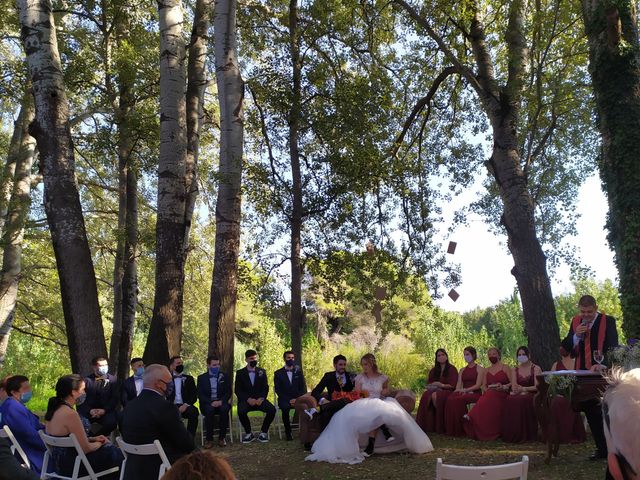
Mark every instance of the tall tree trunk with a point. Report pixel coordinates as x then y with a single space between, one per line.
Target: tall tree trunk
61 198
14 227
8 173
501 105
165 333
224 287
296 191
614 64
125 263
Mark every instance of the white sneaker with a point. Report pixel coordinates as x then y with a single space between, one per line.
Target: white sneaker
391 438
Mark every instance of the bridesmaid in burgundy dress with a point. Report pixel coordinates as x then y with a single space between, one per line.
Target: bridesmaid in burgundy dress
570 424
443 378
484 421
519 422
467 392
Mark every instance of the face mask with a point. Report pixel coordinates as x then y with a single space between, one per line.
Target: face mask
522 358
290 363
214 370
468 358
25 397
180 369
139 371
493 359
102 371
253 363
80 400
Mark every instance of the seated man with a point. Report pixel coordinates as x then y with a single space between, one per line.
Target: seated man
621 412
339 380
214 392
151 417
24 424
252 388
183 393
103 394
289 384
132 386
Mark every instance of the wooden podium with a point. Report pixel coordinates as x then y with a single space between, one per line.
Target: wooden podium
589 385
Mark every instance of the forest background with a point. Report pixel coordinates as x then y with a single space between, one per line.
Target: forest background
358 127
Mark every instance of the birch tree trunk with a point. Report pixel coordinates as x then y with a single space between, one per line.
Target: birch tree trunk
297 213
165 333
501 105
614 64
14 227
224 288
61 199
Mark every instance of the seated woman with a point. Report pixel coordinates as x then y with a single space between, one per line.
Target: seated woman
467 392
441 382
569 422
339 441
484 420
21 421
519 422
62 420
376 385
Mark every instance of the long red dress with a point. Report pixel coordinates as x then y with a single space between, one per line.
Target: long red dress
430 415
457 402
569 422
485 419
519 422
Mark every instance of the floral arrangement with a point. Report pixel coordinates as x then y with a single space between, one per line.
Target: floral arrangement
627 356
351 396
561 385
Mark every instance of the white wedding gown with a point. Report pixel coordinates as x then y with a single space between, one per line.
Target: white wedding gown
339 442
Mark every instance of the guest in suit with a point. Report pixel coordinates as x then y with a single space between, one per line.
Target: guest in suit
132 386
24 424
103 395
592 331
252 388
339 380
214 393
289 384
151 417
11 468
183 393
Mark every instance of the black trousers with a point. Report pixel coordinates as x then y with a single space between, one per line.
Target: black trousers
267 407
329 409
191 414
593 411
209 413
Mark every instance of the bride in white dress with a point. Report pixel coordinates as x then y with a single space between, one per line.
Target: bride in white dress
339 442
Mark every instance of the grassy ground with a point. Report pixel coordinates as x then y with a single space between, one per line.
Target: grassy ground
283 460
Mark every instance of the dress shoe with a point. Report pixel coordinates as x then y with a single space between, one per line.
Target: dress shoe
598 455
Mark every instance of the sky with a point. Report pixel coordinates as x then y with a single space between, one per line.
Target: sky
485 262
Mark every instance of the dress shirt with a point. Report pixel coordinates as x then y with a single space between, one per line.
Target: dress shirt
213 381
139 384
178 380
252 376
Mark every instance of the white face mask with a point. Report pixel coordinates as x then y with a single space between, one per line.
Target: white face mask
522 358
468 358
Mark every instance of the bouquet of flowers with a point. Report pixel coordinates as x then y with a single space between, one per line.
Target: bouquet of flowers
561 385
350 396
627 356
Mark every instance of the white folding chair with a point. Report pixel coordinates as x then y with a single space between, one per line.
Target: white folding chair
154 448
278 420
5 432
81 459
492 472
203 433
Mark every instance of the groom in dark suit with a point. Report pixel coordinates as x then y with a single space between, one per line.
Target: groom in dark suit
338 380
252 388
214 392
289 384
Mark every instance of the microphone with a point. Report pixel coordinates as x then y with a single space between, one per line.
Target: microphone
584 322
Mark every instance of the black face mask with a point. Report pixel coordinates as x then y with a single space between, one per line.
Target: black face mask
180 369
253 363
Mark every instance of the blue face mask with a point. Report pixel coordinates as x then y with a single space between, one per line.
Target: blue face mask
25 397
139 371
103 370
214 370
